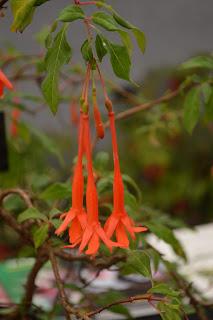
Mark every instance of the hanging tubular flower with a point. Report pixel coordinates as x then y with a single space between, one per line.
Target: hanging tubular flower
76 215
4 82
119 221
93 232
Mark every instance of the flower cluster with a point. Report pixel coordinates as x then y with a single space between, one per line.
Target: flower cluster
83 224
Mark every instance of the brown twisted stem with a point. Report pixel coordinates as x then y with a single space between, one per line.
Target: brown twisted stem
147 297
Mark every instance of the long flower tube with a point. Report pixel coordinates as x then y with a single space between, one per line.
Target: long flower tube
76 215
93 232
4 82
119 221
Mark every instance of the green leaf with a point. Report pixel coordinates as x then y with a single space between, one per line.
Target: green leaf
56 223
133 184
105 21
40 235
54 212
125 38
105 184
86 51
56 191
101 160
167 312
140 38
22 11
155 257
100 46
120 61
50 91
198 62
58 55
122 22
139 35
167 235
31 213
206 91
139 262
191 109
209 108
164 289
71 13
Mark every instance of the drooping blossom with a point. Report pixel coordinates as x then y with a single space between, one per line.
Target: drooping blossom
119 221
4 82
93 232
75 218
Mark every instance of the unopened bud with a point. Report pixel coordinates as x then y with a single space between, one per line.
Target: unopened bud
98 123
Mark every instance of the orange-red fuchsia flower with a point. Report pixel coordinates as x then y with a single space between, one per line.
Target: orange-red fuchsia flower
119 221
4 82
93 232
76 215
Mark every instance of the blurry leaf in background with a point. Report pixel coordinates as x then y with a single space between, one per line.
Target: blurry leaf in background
31 213
192 109
57 191
101 161
23 11
40 235
169 311
139 262
198 62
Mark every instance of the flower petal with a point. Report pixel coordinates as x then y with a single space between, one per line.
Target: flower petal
140 229
94 245
105 239
110 225
5 81
69 217
86 237
128 224
82 217
121 236
75 231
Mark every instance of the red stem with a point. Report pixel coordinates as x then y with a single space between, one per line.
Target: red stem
114 140
102 82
